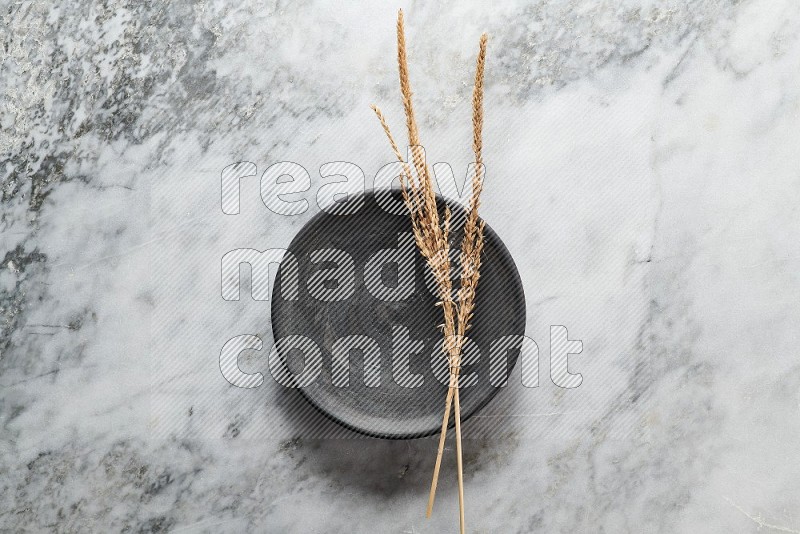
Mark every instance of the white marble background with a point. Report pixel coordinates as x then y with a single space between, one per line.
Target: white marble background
643 168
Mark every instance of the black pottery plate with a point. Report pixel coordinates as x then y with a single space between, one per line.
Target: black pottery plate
355 285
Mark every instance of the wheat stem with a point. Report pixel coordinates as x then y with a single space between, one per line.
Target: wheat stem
438 465
459 461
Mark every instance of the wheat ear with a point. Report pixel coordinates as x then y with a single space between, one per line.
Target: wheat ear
471 249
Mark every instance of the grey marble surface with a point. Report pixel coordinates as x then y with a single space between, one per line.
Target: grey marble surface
643 170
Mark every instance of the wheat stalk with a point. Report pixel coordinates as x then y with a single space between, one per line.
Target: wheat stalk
471 249
431 238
